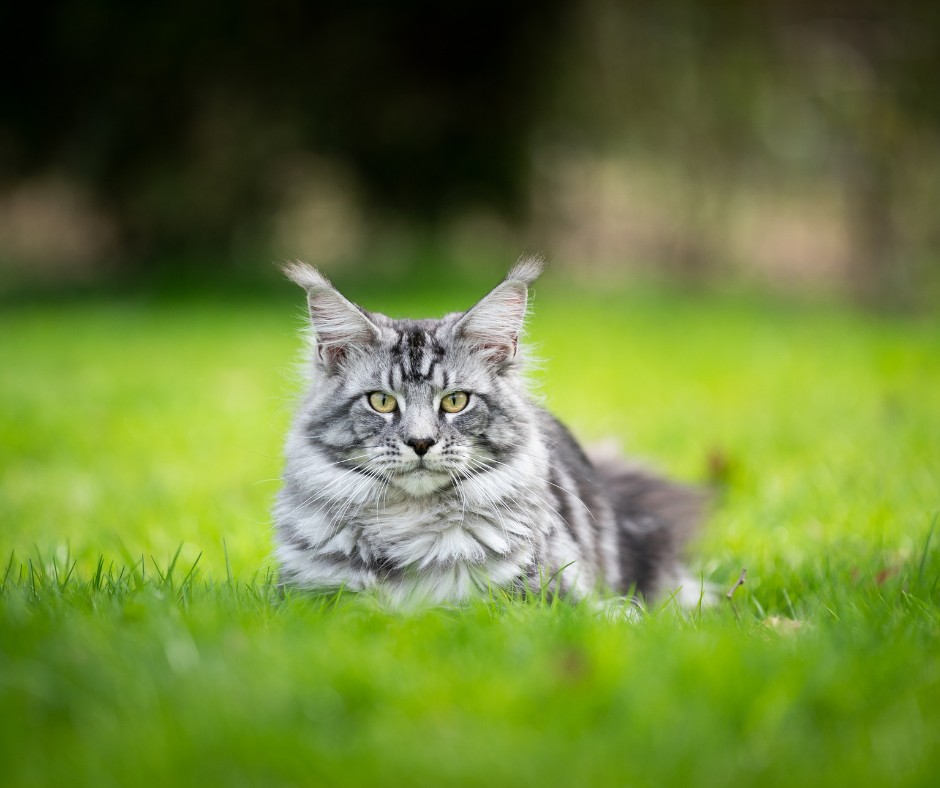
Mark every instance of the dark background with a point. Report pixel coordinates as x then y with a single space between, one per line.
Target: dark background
792 145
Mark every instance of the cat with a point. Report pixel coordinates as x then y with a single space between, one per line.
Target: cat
418 466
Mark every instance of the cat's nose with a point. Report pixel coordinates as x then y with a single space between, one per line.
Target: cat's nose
421 445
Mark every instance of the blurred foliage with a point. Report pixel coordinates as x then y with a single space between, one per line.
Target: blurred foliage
183 114
776 93
228 131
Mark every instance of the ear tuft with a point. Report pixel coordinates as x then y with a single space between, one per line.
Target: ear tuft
308 277
527 269
342 328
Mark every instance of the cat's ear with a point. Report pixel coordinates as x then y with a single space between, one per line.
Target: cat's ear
493 326
341 327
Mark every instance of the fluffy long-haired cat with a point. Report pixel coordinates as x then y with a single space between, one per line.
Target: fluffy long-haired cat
418 466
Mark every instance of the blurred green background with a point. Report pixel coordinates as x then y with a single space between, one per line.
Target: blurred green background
739 200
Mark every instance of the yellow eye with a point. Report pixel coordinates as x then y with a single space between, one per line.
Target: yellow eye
383 403
454 403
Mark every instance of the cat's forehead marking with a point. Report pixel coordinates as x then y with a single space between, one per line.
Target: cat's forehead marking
416 353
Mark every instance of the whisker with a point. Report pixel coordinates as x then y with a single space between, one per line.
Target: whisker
536 495
498 505
315 466
333 527
319 493
546 481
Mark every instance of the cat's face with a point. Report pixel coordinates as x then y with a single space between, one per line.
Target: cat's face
416 404
420 407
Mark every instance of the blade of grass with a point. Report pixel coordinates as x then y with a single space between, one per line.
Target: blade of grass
697 612
923 557
159 573
339 595
760 608
553 577
68 576
169 572
192 569
228 566
40 567
6 574
786 596
96 581
662 607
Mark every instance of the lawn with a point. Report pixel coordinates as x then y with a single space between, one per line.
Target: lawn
143 641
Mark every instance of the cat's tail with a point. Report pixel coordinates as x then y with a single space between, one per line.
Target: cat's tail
655 520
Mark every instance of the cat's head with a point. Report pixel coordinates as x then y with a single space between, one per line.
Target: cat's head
417 403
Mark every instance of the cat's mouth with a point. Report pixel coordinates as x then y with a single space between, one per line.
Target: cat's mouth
423 469
421 480
422 465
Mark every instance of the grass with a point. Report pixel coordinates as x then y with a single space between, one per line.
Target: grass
142 639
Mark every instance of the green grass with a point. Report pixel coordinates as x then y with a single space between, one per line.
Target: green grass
139 435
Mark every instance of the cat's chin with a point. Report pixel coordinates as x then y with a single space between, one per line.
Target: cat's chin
421 482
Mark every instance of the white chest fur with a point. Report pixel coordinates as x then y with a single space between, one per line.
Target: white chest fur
412 548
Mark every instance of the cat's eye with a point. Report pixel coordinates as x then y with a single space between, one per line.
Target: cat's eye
455 402
382 402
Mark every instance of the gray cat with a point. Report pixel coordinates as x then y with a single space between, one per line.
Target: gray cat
418 466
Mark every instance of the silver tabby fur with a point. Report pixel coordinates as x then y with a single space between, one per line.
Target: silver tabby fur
504 498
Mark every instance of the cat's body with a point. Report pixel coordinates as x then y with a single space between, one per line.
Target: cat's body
418 466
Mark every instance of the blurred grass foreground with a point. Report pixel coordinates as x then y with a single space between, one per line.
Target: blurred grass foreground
142 640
